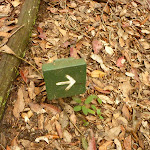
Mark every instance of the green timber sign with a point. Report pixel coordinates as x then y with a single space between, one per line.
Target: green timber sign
65 77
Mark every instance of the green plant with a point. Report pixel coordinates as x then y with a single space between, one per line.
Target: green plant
87 107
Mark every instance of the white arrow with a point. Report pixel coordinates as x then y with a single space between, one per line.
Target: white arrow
71 82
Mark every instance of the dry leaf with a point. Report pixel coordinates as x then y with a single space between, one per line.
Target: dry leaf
105 145
73 52
106 9
127 143
59 129
105 99
120 62
97 46
113 133
67 136
99 60
36 108
145 78
125 87
118 144
91 142
15 3
102 90
109 50
51 108
42 34
63 32
42 138
40 121
19 104
145 44
97 73
5 10
31 90
129 74
7 50
126 112
73 118
121 42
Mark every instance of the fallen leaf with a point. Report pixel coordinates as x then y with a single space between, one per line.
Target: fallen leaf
52 9
19 104
73 118
97 46
51 108
99 60
67 136
5 10
42 34
109 50
113 133
102 90
36 108
59 129
122 121
91 142
118 144
127 143
136 77
15 3
66 44
46 138
125 112
126 88
6 49
73 52
97 73
105 145
120 62
105 99
42 138
31 90
129 74
121 42
62 31
40 121
145 78
24 74
145 44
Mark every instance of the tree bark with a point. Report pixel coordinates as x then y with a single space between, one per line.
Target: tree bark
18 43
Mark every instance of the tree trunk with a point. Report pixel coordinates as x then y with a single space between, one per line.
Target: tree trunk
18 43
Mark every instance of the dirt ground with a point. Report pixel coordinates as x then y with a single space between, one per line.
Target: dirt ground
114 39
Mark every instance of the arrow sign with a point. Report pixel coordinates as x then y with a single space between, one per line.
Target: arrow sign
71 82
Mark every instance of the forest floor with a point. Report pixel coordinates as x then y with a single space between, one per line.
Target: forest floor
113 37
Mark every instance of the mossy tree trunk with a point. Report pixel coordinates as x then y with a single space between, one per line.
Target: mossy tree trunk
18 43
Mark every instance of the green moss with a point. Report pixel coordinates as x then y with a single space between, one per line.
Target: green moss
1 99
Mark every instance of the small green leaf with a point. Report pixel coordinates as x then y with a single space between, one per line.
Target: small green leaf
84 143
77 108
85 110
77 99
86 124
98 111
93 107
101 117
90 98
99 101
91 111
